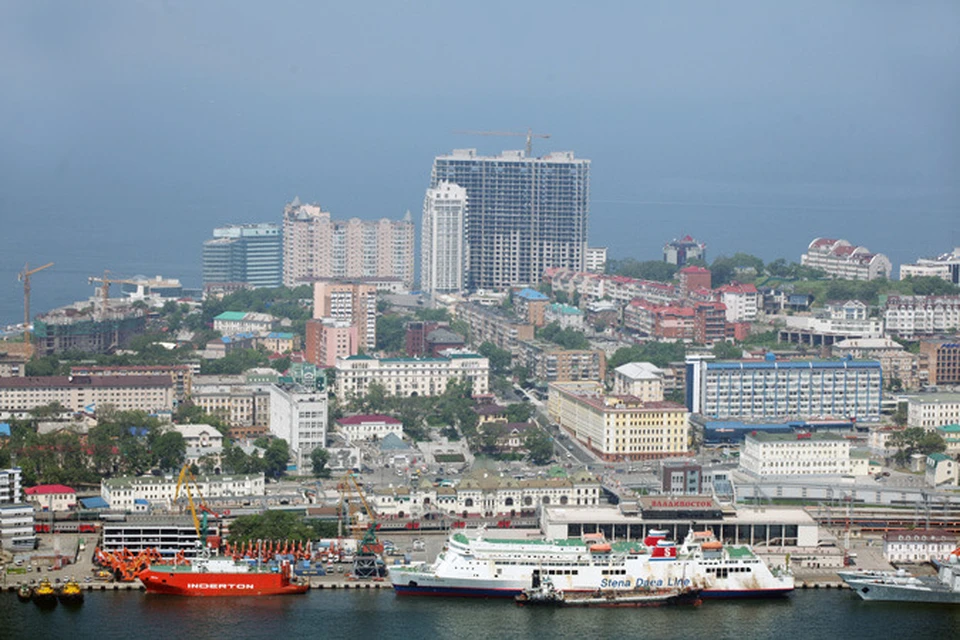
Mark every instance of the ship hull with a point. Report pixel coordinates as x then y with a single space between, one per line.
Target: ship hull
881 592
219 584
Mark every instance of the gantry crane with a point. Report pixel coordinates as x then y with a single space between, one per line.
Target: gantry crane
367 562
529 135
105 283
24 277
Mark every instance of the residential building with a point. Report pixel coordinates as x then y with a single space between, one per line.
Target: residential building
552 363
909 316
489 324
840 259
481 494
932 410
951 437
682 251
946 266
203 442
353 302
411 376
565 315
703 322
88 393
317 247
640 379
595 260
298 415
369 427
11 485
16 527
681 478
80 327
838 320
329 339
430 338
743 302
941 358
52 497
12 364
278 341
693 277
917 546
234 399
122 493
897 362
244 253
181 375
442 241
525 214
773 389
529 305
795 454
941 471
230 323
602 313
618 427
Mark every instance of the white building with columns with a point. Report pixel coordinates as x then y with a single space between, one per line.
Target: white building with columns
411 376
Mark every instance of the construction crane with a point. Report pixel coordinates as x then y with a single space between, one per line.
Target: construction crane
529 135
24 277
105 283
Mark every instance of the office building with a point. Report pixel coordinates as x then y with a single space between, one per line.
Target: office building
244 253
618 427
682 251
369 427
181 375
234 399
917 546
316 246
897 362
524 214
411 376
797 454
442 242
125 492
11 485
784 390
298 414
16 516
88 393
351 302
942 360
840 259
932 410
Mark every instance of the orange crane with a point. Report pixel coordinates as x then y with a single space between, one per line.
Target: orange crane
529 135
105 283
24 277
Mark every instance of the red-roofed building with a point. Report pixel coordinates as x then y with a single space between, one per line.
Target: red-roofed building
52 497
841 259
369 427
693 277
743 301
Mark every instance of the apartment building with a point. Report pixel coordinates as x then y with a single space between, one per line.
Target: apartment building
565 315
941 357
411 376
840 259
945 266
329 339
897 363
489 324
234 399
318 247
16 516
352 302
552 363
442 240
694 277
298 414
595 260
773 390
640 379
88 393
122 493
932 410
618 427
910 316
703 322
12 364
742 301
529 305
181 375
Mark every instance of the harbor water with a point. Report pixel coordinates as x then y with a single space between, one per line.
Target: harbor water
828 614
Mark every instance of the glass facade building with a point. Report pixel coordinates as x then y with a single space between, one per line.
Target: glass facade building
248 253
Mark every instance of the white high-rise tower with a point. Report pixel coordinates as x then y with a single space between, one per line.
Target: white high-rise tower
442 252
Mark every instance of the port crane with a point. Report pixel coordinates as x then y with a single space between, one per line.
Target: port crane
105 281
187 485
367 562
529 135
24 277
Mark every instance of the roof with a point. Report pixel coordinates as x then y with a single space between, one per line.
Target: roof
640 371
940 457
812 364
231 315
532 294
373 417
95 502
5 429
47 489
818 436
391 442
40 382
936 398
919 535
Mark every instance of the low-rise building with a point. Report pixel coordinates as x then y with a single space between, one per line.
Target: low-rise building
552 363
792 454
16 527
234 399
181 375
203 442
565 315
369 427
916 546
932 410
641 379
681 478
52 497
897 363
488 324
229 323
87 393
12 365
951 437
941 471
619 427
121 493
411 376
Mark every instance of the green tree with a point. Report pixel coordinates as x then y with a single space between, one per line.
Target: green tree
391 334
499 358
647 270
727 351
519 412
660 354
170 450
272 525
276 458
432 315
539 446
568 338
318 461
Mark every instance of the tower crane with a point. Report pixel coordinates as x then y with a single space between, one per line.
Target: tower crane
105 283
24 277
529 135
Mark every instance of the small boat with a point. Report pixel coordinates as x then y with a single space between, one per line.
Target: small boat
24 593
70 593
44 595
547 594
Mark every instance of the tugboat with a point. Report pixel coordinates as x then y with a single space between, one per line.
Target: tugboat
45 596
70 594
24 593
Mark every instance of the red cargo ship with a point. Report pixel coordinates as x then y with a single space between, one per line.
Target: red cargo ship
220 576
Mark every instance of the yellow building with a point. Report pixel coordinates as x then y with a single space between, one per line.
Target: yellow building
619 427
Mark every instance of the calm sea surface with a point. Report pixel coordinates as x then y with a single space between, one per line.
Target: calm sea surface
827 614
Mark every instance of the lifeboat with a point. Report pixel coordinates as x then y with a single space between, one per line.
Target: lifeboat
600 548
712 545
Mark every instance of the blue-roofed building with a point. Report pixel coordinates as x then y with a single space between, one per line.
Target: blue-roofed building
531 305
772 390
4 430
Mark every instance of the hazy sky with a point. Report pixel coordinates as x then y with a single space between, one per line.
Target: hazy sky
129 129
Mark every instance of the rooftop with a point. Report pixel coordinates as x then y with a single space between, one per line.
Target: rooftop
818 436
532 294
47 489
41 382
363 419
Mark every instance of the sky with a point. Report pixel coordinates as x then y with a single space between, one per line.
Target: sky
128 130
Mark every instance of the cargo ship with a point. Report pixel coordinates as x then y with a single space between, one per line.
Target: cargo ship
480 567
220 576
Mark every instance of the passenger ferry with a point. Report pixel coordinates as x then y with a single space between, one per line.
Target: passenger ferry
482 567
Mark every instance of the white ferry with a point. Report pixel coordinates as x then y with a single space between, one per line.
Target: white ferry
482 567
